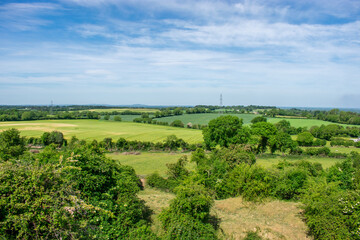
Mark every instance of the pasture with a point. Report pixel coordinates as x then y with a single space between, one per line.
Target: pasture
107 110
149 162
95 129
204 118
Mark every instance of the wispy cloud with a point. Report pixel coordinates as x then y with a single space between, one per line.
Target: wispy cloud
254 52
25 16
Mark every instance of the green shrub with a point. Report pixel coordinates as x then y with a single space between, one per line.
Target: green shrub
156 181
250 182
289 183
11 144
188 216
342 172
70 195
331 213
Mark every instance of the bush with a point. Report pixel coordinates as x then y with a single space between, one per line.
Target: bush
305 139
323 151
319 142
289 183
250 182
188 216
177 123
11 144
156 181
331 213
117 119
77 194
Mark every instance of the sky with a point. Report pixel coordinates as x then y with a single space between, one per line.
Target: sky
181 52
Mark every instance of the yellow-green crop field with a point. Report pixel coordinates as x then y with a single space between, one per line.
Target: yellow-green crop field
97 129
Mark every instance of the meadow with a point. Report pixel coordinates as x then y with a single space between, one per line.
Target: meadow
149 162
97 129
146 163
107 110
204 118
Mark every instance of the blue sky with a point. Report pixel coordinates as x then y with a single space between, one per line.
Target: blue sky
180 52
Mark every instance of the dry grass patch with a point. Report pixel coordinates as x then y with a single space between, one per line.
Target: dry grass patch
156 200
273 219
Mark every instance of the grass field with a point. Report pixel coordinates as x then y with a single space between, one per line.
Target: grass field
204 118
123 109
148 162
268 161
95 129
274 219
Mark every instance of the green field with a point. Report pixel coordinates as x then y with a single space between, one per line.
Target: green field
204 118
269 161
299 122
149 162
125 118
95 129
123 109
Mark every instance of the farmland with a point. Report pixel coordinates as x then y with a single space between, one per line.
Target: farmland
95 129
107 110
204 118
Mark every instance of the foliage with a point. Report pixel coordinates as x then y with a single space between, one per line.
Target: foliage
117 119
156 181
258 119
265 131
331 213
177 171
177 123
235 155
251 182
305 139
224 131
76 193
188 216
281 141
39 202
11 144
342 172
54 137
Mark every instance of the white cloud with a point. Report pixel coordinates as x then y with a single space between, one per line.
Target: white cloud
25 16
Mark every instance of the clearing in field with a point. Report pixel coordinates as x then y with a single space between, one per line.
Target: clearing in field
95 129
273 219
